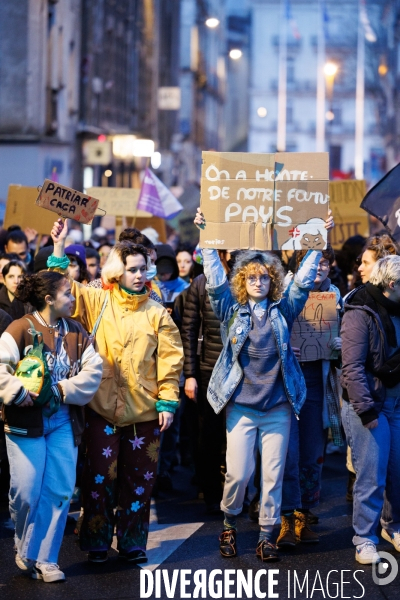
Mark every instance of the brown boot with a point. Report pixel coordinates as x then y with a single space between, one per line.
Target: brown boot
304 533
287 535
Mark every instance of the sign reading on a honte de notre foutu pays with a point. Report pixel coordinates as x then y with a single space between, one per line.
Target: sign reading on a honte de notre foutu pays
277 201
67 202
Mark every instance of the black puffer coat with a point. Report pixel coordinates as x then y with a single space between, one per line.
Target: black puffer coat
198 310
365 330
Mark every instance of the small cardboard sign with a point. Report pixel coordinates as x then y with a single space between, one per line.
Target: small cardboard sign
66 202
316 327
21 210
264 201
118 202
350 218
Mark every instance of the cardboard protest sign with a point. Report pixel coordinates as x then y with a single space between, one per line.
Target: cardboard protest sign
21 210
67 202
316 327
350 218
118 202
264 201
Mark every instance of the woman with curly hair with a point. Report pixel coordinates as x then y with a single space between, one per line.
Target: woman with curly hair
256 377
142 361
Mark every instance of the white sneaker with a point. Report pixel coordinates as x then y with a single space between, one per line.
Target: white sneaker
366 554
24 563
49 572
393 538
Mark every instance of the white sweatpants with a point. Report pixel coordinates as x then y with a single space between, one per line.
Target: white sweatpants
273 428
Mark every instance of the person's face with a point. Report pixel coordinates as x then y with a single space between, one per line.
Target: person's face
367 264
164 276
13 279
185 261
21 249
258 284
134 276
3 263
92 265
61 306
74 269
322 272
104 252
153 256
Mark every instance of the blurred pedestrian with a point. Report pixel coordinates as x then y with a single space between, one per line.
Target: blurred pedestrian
13 273
17 243
42 449
168 280
77 268
184 258
308 435
92 263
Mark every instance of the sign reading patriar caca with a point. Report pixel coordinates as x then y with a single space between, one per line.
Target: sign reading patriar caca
264 201
67 202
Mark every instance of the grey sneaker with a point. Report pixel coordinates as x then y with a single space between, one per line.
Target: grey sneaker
24 563
48 572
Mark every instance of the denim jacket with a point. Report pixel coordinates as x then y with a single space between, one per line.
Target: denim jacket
227 372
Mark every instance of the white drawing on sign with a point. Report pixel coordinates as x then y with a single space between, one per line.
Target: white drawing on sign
311 235
397 214
311 332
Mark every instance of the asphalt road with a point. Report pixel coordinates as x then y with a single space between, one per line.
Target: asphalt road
184 538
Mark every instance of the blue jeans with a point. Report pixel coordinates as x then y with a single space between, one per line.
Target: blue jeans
305 457
42 481
376 458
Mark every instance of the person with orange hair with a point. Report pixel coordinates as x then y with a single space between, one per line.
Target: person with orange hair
257 377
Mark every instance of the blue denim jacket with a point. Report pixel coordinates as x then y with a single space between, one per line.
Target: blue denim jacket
227 372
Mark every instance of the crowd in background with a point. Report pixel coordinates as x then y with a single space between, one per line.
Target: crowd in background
173 282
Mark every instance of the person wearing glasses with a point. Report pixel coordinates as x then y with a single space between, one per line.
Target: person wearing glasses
257 377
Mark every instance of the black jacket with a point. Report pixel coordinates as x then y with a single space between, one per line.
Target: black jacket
5 321
16 309
198 311
368 336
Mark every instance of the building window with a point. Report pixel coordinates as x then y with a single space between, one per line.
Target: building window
290 69
289 113
335 158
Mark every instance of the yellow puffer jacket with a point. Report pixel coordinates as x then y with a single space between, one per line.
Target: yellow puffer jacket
141 350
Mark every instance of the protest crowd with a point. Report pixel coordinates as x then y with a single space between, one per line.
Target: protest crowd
121 358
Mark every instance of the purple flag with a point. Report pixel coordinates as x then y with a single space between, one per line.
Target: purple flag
156 198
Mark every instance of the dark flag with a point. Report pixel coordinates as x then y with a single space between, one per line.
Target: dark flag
383 202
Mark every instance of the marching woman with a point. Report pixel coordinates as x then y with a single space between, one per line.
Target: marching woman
42 442
256 377
142 361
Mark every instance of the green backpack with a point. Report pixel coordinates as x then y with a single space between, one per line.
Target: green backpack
34 374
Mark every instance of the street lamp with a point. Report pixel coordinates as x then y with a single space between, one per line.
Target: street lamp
212 22
235 53
330 69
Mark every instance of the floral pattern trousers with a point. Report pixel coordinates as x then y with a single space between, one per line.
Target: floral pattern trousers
119 473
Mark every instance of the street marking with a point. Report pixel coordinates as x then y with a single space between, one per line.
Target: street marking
163 540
